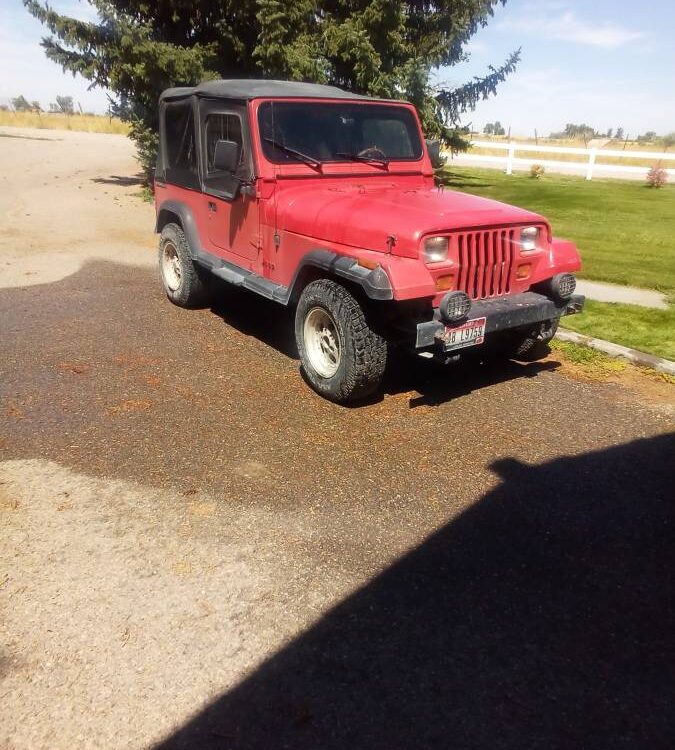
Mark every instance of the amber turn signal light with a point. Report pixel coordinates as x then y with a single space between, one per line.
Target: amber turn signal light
444 283
372 264
523 271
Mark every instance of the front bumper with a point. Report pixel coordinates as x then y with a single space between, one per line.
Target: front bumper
501 314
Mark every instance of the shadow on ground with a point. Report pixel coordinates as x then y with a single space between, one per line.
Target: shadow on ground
436 384
255 316
28 137
540 618
462 180
121 180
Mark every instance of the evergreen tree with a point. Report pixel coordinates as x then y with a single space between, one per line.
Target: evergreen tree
64 104
386 48
668 141
572 131
21 104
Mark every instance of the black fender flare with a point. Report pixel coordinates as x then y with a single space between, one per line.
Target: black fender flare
374 282
188 224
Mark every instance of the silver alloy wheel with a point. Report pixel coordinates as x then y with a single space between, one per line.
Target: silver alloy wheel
322 342
171 270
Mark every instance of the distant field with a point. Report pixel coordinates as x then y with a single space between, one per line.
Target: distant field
610 144
49 121
600 159
624 230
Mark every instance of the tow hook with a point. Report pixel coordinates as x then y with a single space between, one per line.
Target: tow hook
442 358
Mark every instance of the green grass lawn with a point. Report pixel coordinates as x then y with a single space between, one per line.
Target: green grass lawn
640 328
625 231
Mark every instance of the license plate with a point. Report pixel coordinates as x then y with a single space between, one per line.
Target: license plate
470 333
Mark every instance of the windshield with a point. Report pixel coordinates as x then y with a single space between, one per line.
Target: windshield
338 132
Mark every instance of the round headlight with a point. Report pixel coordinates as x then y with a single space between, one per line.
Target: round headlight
563 285
528 238
455 306
435 249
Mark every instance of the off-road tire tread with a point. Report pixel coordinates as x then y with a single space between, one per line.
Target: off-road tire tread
364 350
194 290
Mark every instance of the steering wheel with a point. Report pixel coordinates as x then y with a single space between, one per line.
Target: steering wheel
373 151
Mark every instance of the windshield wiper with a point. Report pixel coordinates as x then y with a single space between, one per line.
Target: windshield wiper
315 163
378 160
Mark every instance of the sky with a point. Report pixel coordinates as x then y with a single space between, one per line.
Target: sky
609 63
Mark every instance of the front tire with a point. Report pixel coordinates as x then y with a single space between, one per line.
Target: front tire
343 358
184 283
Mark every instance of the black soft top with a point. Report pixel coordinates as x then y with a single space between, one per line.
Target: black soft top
251 88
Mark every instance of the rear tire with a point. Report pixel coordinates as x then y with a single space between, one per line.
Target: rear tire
343 358
185 284
532 343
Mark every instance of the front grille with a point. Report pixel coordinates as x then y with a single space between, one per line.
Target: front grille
485 261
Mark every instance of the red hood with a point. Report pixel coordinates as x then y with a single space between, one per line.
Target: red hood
364 215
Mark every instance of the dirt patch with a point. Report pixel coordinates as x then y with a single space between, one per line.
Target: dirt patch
125 601
129 406
80 216
76 368
588 365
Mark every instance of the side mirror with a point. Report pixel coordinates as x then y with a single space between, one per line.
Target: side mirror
226 156
434 149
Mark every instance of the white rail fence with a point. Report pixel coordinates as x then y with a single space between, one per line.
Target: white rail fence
589 166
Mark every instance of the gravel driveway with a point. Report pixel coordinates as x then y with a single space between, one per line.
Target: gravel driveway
199 552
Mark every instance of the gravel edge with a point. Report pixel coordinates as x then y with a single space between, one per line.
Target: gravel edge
616 350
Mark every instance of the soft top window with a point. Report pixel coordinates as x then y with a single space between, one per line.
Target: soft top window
180 146
225 127
338 132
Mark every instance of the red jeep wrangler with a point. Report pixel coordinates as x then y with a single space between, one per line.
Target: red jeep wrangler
325 200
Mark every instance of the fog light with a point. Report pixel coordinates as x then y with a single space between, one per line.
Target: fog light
563 285
455 306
